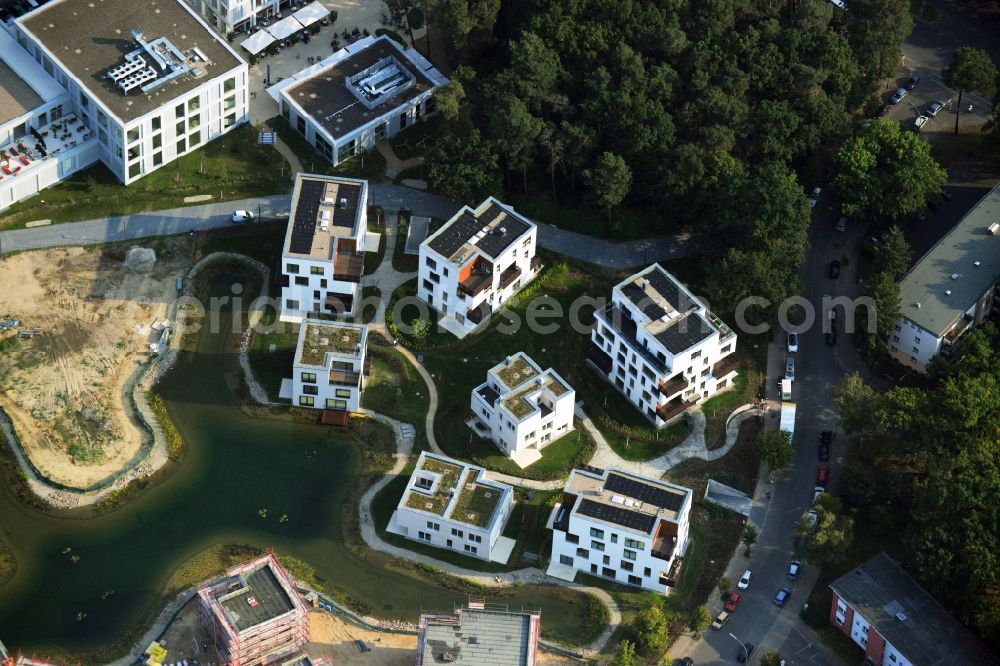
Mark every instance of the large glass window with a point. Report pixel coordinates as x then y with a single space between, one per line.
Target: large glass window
157 159
181 146
135 170
133 135
157 141
156 124
229 85
194 104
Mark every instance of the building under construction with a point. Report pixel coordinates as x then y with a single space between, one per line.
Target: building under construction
479 635
254 614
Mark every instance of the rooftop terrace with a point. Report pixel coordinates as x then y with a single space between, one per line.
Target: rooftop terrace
490 229
517 371
476 502
437 502
626 500
319 339
324 209
673 314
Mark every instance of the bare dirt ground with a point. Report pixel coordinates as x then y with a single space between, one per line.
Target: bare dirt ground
64 389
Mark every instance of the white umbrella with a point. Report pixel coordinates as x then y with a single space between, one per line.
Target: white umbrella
285 28
314 11
258 41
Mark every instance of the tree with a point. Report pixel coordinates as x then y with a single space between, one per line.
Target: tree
884 292
827 541
886 172
515 131
651 629
449 99
854 400
463 167
625 655
552 143
749 538
775 448
771 658
700 619
536 68
971 69
895 254
609 181
578 142
724 585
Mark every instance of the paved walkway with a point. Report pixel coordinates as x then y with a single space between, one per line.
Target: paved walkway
392 163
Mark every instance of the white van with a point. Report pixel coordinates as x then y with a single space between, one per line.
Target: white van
786 389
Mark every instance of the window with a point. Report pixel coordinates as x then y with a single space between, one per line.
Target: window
179 111
457 533
229 121
428 286
156 124
423 536
632 543
292 268
181 146
566 559
629 554
316 270
572 538
340 405
135 152
583 552
133 135
194 139
300 125
471 549
101 118
646 572
614 538
607 572
302 281
310 389
596 533
307 400
431 263
916 339
634 580
695 355
431 525
194 104
475 538
291 305
229 85
597 545
309 377
157 159
135 170
157 141
343 393
627 566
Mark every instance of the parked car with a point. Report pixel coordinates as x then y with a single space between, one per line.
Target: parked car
912 83
821 475
934 108
814 197
745 651
790 367
834 269
732 602
824 452
812 517
720 620
241 216
793 343
687 661
898 96
919 122
817 491
745 580
839 3
793 570
875 243
782 596
826 436
841 225
948 196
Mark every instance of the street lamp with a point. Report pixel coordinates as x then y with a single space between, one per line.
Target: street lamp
746 651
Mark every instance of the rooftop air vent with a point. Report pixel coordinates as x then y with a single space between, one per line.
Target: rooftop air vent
901 616
343 202
916 305
954 276
947 292
994 228
976 263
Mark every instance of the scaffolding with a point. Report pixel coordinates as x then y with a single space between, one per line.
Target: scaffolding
254 614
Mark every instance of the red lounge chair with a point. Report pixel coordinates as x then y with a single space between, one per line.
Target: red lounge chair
13 153
6 170
24 160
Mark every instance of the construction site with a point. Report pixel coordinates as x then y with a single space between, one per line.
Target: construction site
77 326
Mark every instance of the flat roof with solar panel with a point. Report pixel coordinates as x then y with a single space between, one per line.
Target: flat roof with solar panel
674 314
489 230
627 500
324 209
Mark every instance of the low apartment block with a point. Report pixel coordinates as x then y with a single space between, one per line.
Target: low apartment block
661 347
479 634
475 262
364 93
952 289
522 408
254 614
329 368
896 622
622 526
323 257
451 504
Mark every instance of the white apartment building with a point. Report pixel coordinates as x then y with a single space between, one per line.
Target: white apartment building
660 346
364 93
523 408
451 504
621 526
329 367
475 262
951 289
323 257
238 16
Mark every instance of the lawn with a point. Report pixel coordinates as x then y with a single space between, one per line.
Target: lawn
417 139
368 165
227 168
738 468
402 262
395 389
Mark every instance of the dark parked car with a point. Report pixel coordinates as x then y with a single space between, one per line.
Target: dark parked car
898 96
782 596
912 83
831 337
834 269
934 108
745 651
948 196
824 452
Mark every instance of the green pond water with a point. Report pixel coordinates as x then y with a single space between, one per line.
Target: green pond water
234 466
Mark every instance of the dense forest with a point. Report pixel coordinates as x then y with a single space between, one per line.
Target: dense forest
698 111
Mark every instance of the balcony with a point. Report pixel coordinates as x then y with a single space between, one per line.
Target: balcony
725 365
601 361
536 262
960 328
339 303
477 314
670 579
508 277
724 331
674 385
348 266
344 377
475 284
672 409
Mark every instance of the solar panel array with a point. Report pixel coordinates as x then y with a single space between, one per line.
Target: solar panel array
643 492
617 515
306 212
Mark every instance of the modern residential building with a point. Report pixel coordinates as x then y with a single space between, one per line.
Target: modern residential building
147 80
660 346
951 289
475 262
522 408
479 635
896 622
238 16
254 614
329 367
323 257
451 504
365 92
622 526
